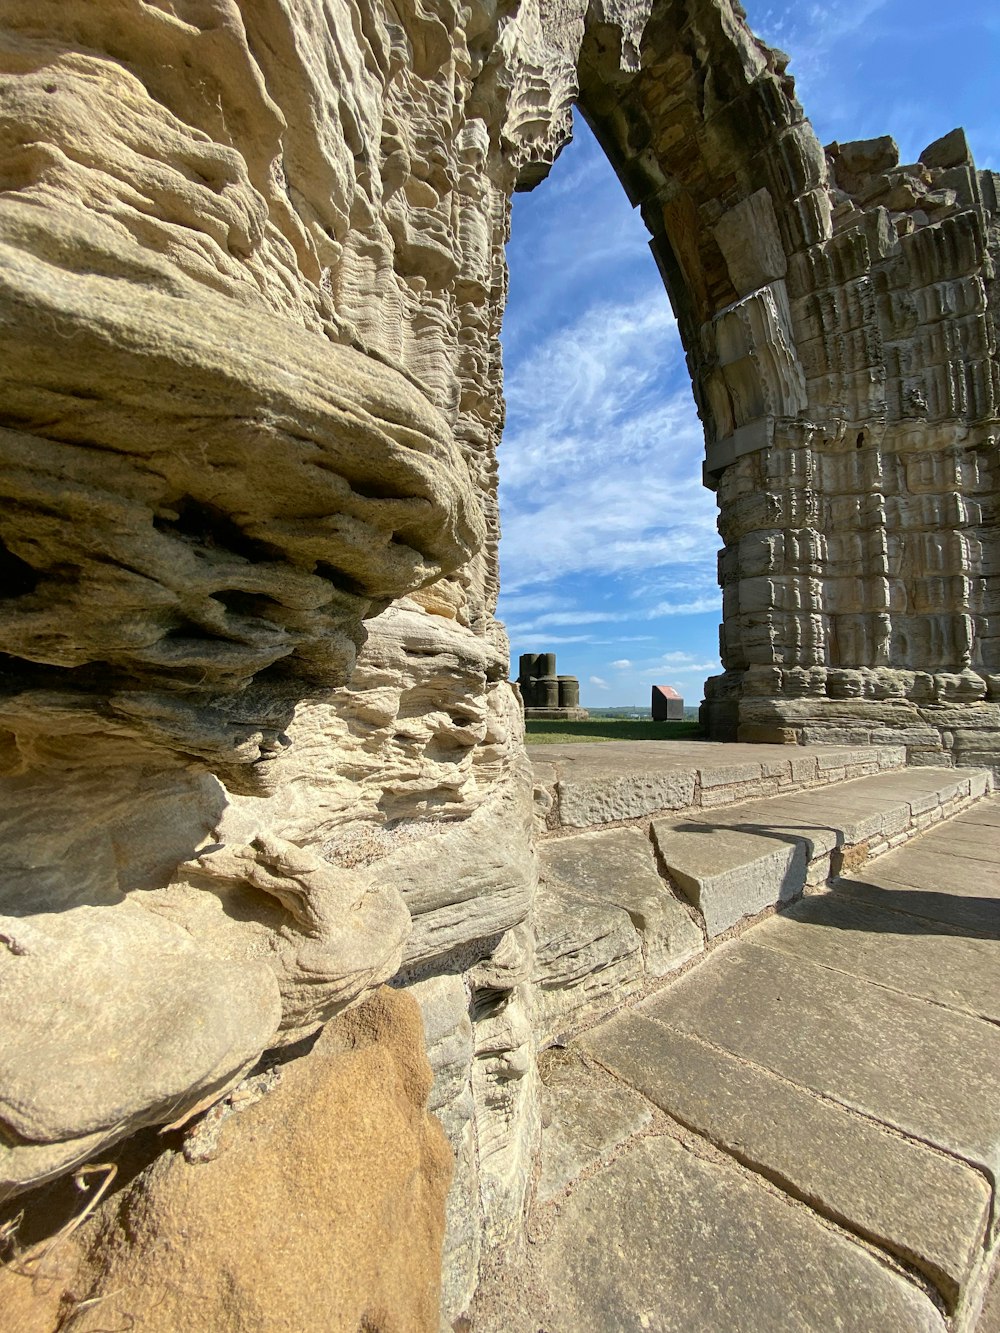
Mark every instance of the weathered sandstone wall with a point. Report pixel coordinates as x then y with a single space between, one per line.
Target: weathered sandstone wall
838 308
258 752
313 1198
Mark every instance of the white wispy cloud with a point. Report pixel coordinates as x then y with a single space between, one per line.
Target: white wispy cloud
518 632
600 463
599 683
697 669
708 601
623 664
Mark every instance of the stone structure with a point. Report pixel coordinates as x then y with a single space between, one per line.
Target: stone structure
546 695
666 705
258 750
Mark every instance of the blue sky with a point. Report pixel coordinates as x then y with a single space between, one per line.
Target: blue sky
609 542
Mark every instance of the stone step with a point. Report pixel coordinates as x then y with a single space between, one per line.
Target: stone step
606 924
609 926
745 858
586 785
803 1132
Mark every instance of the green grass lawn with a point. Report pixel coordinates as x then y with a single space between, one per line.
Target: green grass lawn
563 733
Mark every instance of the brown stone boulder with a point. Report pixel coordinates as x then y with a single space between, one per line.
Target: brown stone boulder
318 1206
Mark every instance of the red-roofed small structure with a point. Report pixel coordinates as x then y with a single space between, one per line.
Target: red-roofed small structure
668 706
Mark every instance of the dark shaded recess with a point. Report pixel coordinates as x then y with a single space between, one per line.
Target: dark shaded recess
189 629
208 526
488 1001
339 580
249 604
17 578
374 490
18 673
281 672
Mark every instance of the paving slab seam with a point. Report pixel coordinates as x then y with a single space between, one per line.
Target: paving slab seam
663 1124
850 1111
912 1262
844 886
884 985
700 1145
983 1172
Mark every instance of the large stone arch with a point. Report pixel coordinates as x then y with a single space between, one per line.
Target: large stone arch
837 309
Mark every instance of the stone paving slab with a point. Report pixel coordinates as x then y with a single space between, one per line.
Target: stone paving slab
985 813
969 914
891 949
972 840
583 1119
663 1241
930 1072
617 867
935 865
932 880
917 1203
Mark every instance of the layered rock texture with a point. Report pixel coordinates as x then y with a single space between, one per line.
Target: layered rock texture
258 751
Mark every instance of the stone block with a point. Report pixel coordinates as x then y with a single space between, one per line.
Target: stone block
588 958
932 881
730 875
749 239
890 948
585 1116
664 1240
931 1073
617 867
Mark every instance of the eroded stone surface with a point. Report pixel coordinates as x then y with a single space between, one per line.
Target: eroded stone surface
588 959
917 1203
617 868
160 1061
251 289
320 1205
665 1241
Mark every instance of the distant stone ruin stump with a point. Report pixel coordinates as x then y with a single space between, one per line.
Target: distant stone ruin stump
667 705
546 696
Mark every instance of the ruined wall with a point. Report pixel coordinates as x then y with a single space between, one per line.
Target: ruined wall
838 309
258 752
